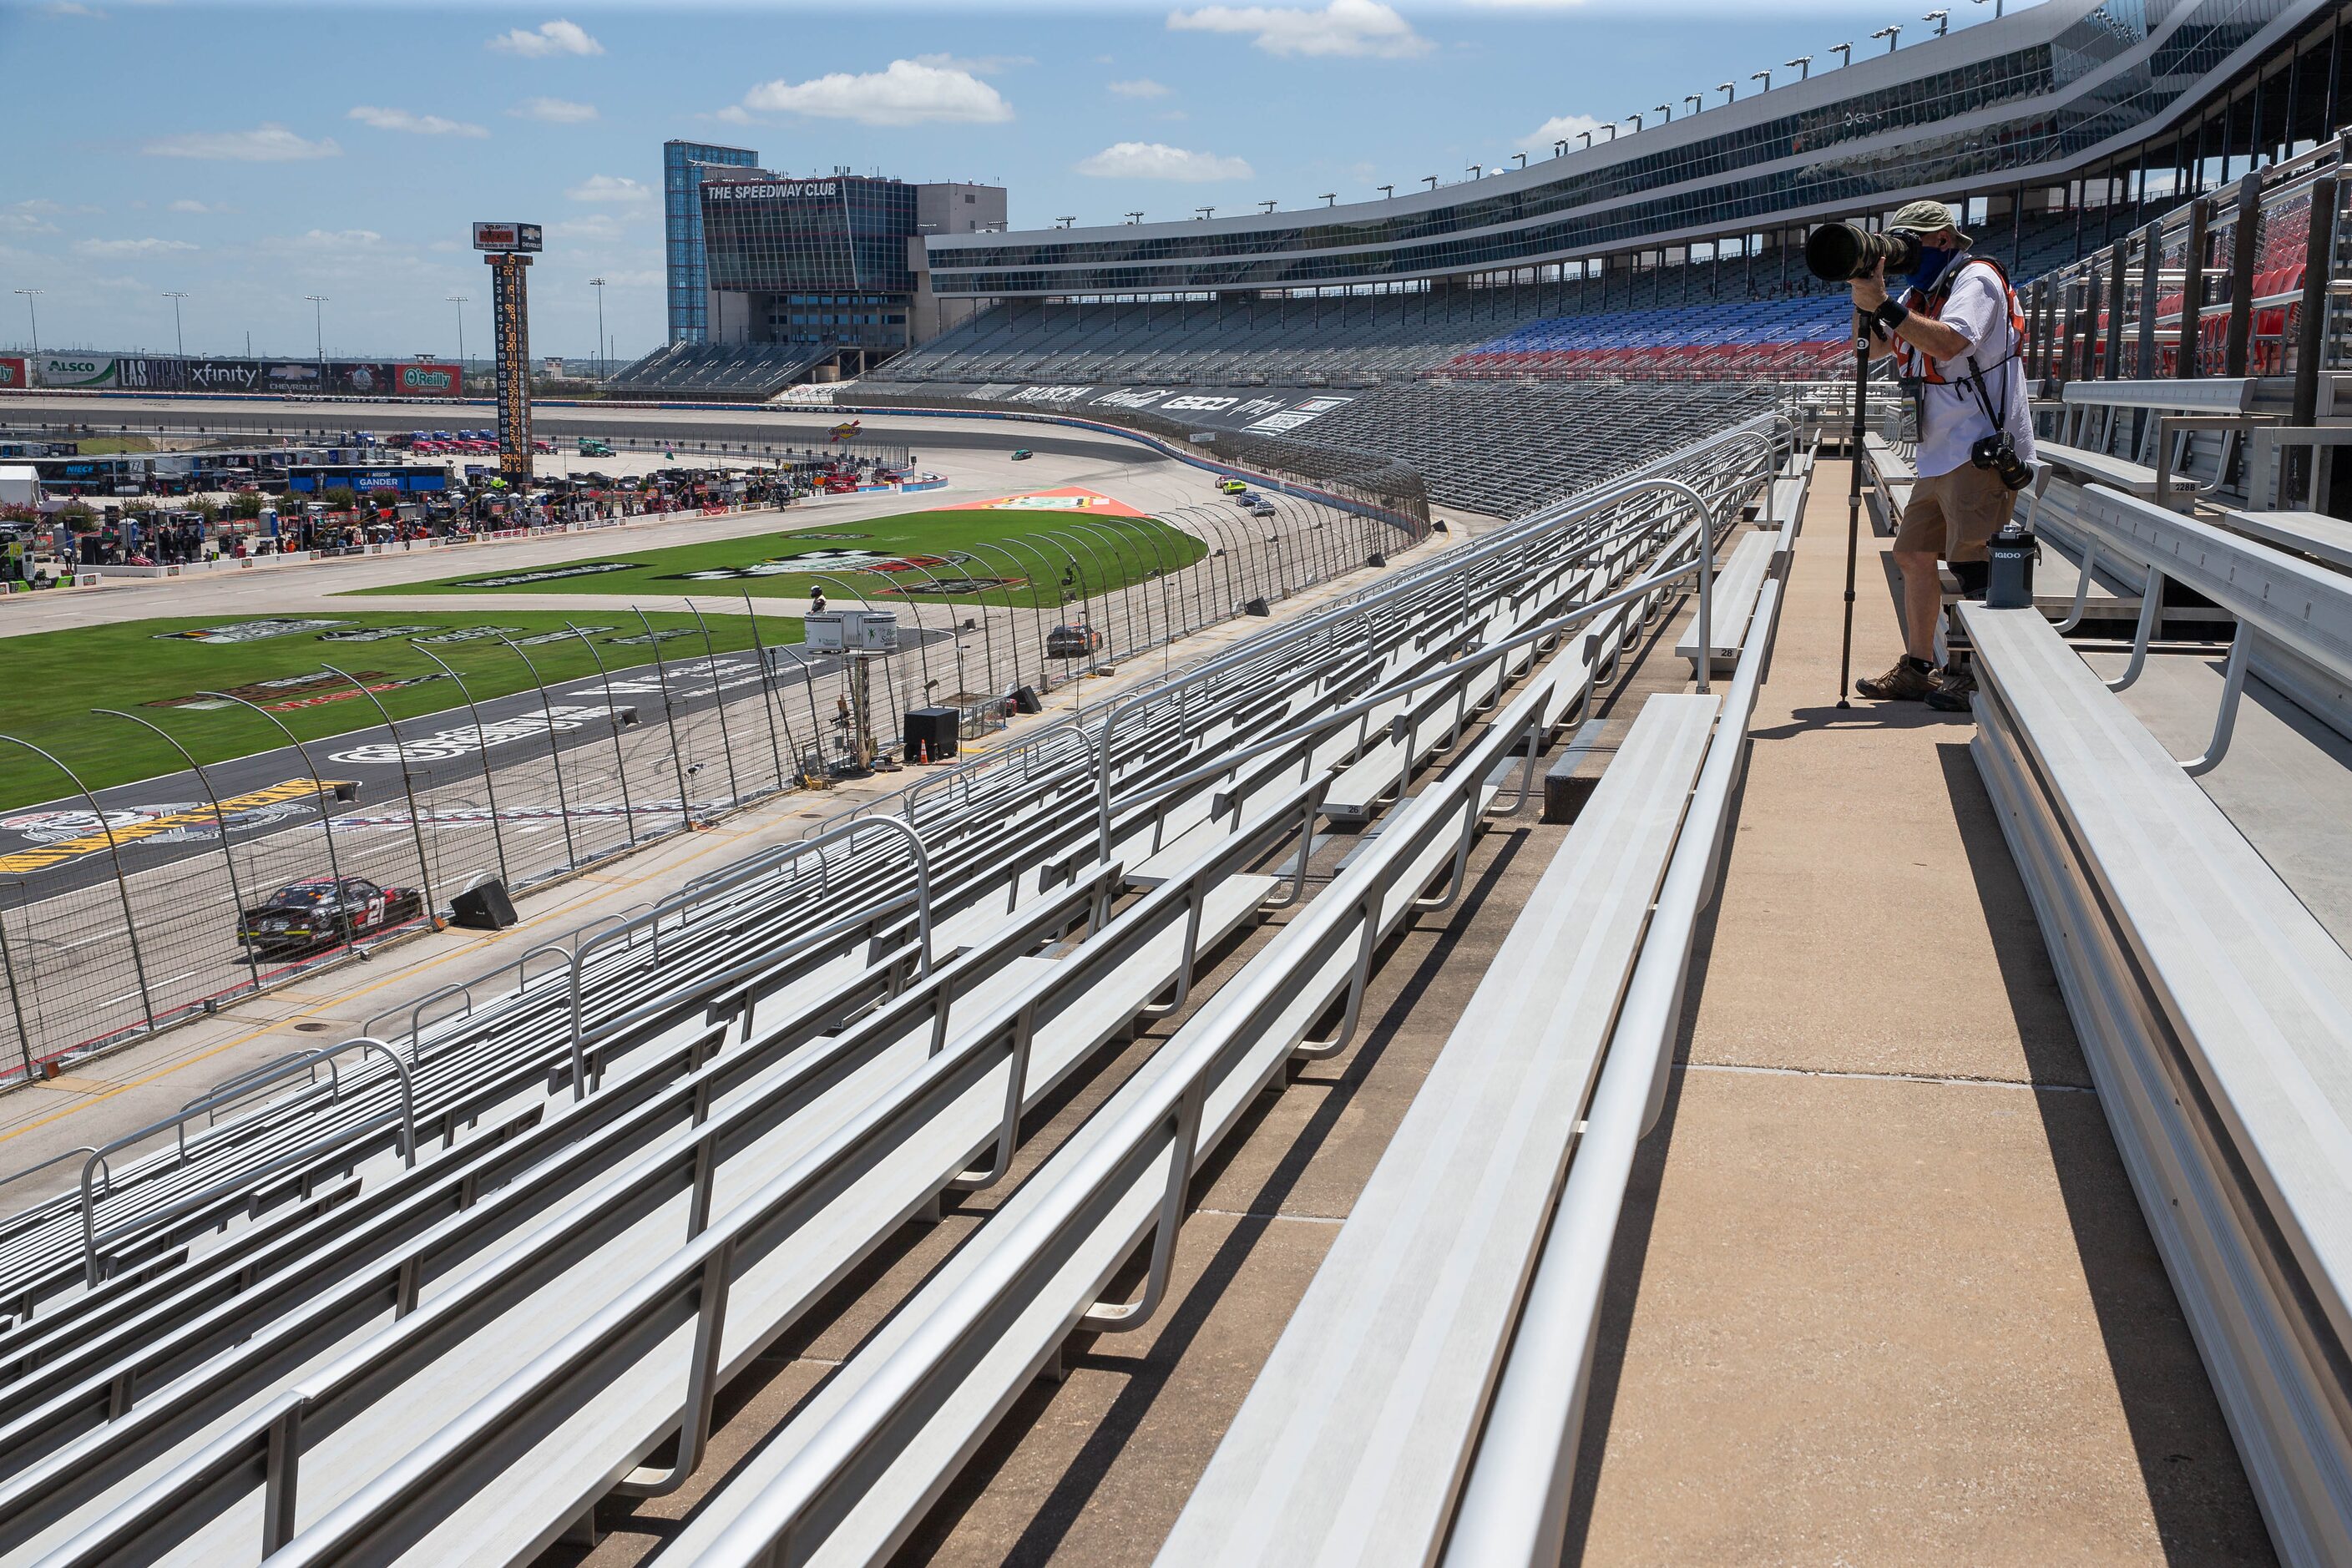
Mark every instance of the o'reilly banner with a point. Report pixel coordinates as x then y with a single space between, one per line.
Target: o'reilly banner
426 379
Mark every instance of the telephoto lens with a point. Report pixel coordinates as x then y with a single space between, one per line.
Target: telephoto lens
1839 252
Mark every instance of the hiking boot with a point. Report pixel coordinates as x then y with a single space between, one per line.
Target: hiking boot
1954 689
1910 681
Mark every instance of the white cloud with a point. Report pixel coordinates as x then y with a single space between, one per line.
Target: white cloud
733 114
73 8
1561 128
412 122
595 225
1142 86
190 204
28 217
1361 27
129 246
907 93
325 239
610 188
1157 160
269 142
977 65
552 38
554 111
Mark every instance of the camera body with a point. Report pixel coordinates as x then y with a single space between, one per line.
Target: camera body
1998 452
1841 252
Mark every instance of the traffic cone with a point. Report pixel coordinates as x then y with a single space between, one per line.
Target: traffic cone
926 757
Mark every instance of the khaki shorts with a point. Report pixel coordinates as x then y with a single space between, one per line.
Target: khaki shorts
1952 515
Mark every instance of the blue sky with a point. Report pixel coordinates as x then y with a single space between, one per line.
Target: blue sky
252 155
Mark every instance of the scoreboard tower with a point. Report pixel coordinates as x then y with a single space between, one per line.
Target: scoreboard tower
509 247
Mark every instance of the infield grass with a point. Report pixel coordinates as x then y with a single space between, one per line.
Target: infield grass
57 678
1048 559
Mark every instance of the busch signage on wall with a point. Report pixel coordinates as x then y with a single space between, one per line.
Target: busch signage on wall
506 237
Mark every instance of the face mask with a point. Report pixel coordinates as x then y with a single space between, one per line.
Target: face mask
1933 260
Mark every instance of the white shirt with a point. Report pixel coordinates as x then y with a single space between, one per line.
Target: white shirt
1951 419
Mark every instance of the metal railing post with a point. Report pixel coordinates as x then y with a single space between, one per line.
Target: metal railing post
122 885
555 751
482 749
669 719
220 821
620 760
719 706
767 692
408 786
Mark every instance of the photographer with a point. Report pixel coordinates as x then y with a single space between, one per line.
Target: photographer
1957 335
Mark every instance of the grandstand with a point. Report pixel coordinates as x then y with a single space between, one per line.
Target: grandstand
1492 1069
724 373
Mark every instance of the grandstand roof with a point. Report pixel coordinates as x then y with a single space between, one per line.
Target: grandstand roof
2028 95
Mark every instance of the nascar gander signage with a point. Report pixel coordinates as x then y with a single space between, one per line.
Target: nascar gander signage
510 321
506 237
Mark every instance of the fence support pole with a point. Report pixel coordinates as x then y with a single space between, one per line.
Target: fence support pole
719 706
121 886
319 791
767 692
16 1002
220 821
408 787
669 720
482 749
554 754
620 764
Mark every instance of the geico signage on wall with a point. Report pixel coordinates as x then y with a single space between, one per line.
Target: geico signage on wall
773 190
73 369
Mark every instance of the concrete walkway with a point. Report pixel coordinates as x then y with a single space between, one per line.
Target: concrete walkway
1882 1294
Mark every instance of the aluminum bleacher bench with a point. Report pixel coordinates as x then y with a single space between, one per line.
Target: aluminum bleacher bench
1736 585
2212 1004
2312 533
1351 1444
2116 473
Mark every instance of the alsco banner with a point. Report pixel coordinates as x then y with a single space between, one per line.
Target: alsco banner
73 369
425 379
15 374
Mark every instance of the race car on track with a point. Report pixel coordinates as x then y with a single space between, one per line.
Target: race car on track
321 912
1071 642
1022 454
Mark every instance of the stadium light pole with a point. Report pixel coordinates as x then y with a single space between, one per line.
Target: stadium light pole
179 339
1996 6
1730 92
1135 218
1064 222
603 370
1664 110
1387 190
1522 157
32 311
1611 128
1941 18
319 321
1697 101
1269 206
1432 181
1845 52
1206 213
1804 64
461 300
1559 148
1891 34
1331 198
1587 140
1765 77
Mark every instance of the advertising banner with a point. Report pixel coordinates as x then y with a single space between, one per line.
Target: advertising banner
506 237
426 379
15 375
73 369
369 380
296 376
225 374
149 374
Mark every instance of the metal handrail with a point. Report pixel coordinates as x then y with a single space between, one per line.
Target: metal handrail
285 1068
780 855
